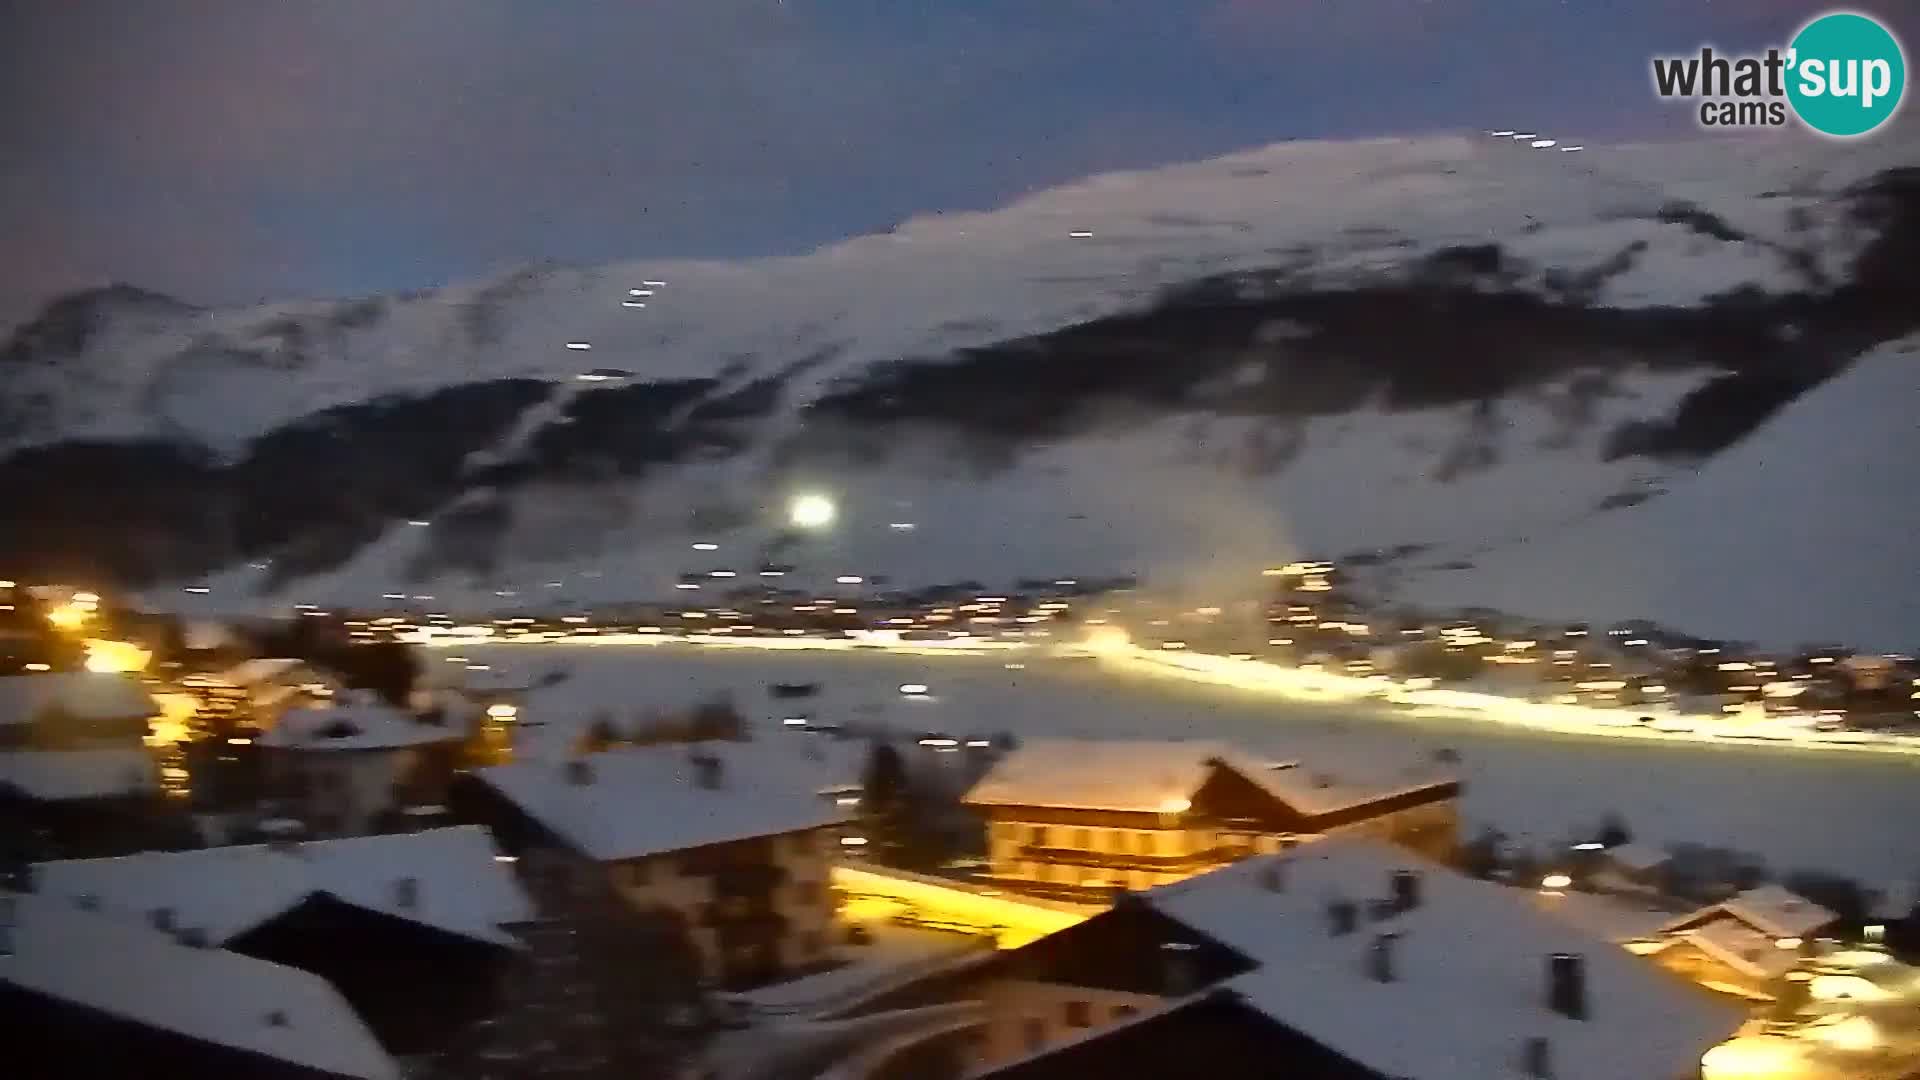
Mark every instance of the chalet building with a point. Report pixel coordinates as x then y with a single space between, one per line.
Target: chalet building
413 929
68 803
273 684
1075 817
75 775
723 836
348 769
1345 958
86 995
73 710
1744 946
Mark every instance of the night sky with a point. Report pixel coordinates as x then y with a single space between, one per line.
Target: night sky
231 150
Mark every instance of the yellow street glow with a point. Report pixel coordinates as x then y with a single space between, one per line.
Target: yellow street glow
812 511
116 656
70 616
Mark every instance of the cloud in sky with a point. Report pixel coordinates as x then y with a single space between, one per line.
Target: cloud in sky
229 150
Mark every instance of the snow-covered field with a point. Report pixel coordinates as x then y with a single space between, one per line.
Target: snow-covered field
1802 810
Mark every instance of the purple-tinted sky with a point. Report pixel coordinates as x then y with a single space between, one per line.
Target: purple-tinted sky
230 150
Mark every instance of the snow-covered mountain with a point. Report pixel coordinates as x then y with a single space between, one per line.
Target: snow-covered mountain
1424 347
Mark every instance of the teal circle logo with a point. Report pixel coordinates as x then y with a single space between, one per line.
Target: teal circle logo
1846 74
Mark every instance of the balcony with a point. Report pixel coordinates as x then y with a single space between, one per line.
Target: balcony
1111 860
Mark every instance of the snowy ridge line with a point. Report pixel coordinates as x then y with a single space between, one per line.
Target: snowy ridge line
943 282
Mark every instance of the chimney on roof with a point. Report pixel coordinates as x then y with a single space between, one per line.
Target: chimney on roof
1536 1058
278 1018
1177 975
283 834
1405 885
1380 958
1567 985
1342 917
708 770
579 771
406 893
162 919
87 901
1273 876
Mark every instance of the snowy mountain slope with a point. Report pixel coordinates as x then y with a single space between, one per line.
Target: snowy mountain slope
1329 211
1445 343
1801 533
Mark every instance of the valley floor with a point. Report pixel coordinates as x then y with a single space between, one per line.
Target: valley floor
1818 808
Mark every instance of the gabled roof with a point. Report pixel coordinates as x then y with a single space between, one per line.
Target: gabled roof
355 725
264 669
638 801
209 995
1470 962
459 887
1769 909
1154 775
1742 948
85 695
63 775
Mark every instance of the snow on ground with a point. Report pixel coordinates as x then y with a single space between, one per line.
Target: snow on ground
944 281
1803 532
1797 809
1153 499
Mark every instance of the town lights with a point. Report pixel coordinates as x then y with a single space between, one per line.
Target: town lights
1555 881
502 712
812 511
71 616
116 656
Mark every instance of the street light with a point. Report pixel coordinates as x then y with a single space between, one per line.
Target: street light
812 511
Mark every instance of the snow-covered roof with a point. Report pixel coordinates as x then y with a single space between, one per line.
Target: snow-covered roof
1742 948
214 996
1098 774
260 669
1770 909
1150 775
635 801
57 775
85 695
457 884
361 725
491 680
1470 962
1610 918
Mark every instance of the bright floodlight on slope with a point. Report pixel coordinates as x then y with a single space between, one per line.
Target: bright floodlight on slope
1542 144
811 511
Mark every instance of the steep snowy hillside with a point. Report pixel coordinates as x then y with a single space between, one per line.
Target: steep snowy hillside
1804 532
1327 347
